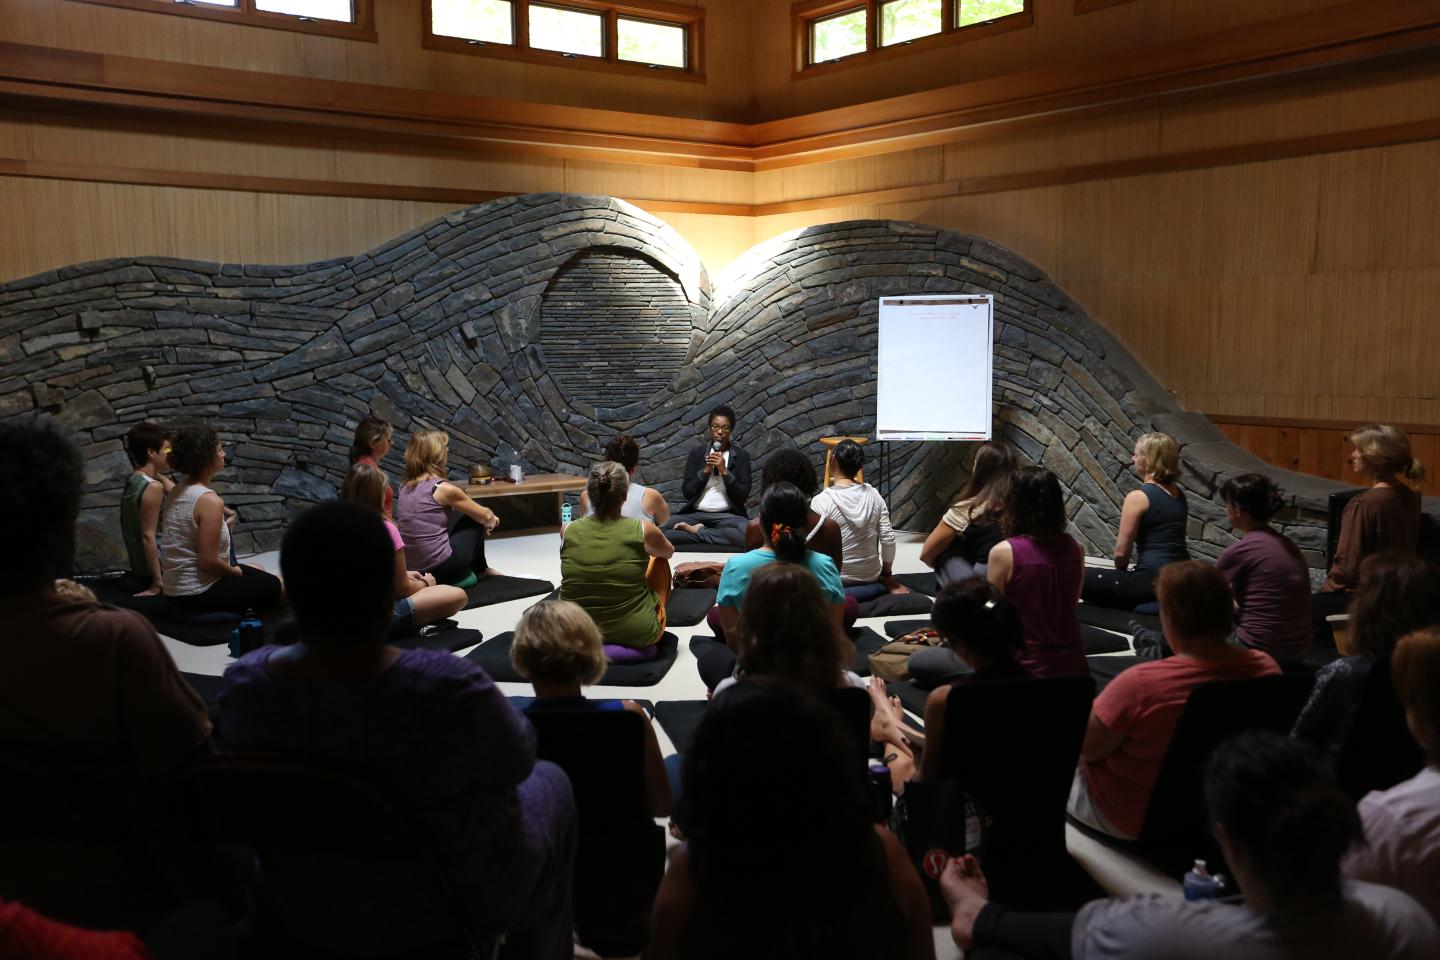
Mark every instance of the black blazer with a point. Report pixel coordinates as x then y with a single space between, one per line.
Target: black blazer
737 478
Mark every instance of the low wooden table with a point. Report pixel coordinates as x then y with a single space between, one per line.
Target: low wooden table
541 487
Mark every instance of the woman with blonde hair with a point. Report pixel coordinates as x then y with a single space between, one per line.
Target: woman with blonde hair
617 568
443 529
558 648
418 598
1152 527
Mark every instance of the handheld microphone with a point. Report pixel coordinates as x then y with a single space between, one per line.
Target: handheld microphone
714 446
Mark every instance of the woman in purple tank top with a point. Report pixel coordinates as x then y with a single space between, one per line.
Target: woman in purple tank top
1040 569
436 541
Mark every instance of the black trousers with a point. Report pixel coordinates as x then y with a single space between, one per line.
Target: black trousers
467 552
1002 933
256 590
1118 589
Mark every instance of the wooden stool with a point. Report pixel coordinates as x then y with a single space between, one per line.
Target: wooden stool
830 443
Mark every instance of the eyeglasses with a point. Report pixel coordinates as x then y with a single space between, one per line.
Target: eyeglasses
720 428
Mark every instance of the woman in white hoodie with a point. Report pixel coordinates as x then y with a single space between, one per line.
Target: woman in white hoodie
867 540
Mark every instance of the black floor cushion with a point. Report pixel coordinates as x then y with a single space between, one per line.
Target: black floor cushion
680 719
209 631
898 628
688 606
708 548
912 698
922 582
1096 640
1108 618
897 604
867 641
520 703
445 635
498 589
494 656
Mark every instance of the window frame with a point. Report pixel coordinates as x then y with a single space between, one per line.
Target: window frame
362 27
809 12
692 19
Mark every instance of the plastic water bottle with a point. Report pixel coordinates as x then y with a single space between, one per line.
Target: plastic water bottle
250 633
1200 884
565 513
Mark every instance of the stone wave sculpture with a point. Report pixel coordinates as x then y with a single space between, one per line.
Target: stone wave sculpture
443 328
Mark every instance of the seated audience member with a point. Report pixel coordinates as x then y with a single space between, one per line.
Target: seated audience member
148 447
1039 568
789 465
1397 594
77 680
27 935
431 728
716 485
437 541
372 441
558 648
1133 719
195 538
816 878
1385 518
983 640
617 569
782 512
418 598
1283 826
1267 574
959 546
641 502
866 538
1401 847
1152 524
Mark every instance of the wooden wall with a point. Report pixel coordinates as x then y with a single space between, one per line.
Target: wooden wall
1319 446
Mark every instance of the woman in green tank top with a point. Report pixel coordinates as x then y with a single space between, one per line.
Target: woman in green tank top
617 568
148 447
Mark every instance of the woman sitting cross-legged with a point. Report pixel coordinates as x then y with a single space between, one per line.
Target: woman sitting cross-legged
443 529
1040 568
641 502
148 446
418 598
557 648
867 540
783 513
433 731
822 534
783 859
959 546
373 439
1283 826
195 539
617 569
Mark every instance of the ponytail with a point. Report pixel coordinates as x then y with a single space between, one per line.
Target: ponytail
783 513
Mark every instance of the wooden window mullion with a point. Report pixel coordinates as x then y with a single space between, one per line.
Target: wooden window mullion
872 26
611 47
947 15
521 10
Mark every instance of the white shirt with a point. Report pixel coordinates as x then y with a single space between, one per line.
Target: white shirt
179 547
867 540
1402 830
713 500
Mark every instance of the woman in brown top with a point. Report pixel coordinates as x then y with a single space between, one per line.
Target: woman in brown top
1384 518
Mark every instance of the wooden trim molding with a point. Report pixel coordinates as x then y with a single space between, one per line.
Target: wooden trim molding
245 13
1248 153
1090 6
1300 423
1350 36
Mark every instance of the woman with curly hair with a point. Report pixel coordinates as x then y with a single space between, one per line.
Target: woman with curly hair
641 502
195 539
1040 569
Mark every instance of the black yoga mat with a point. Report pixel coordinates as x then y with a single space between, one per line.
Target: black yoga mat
896 629
445 635
1095 640
1109 618
708 548
680 719
922 582
499 589
494 656
118 591
688 606
897 604
866 641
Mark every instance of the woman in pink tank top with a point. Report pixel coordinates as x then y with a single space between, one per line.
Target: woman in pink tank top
1040 569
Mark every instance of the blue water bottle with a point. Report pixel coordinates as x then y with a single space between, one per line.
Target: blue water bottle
250 635
1200 884
565 513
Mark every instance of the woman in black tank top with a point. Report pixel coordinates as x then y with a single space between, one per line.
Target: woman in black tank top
1153 522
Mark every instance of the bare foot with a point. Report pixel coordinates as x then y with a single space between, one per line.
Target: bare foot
966 891
690 528
884 725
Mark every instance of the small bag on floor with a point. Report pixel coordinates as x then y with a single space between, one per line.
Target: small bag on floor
699 574
892 661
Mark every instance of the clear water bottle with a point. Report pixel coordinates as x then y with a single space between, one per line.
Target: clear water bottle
1200 884
566 513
